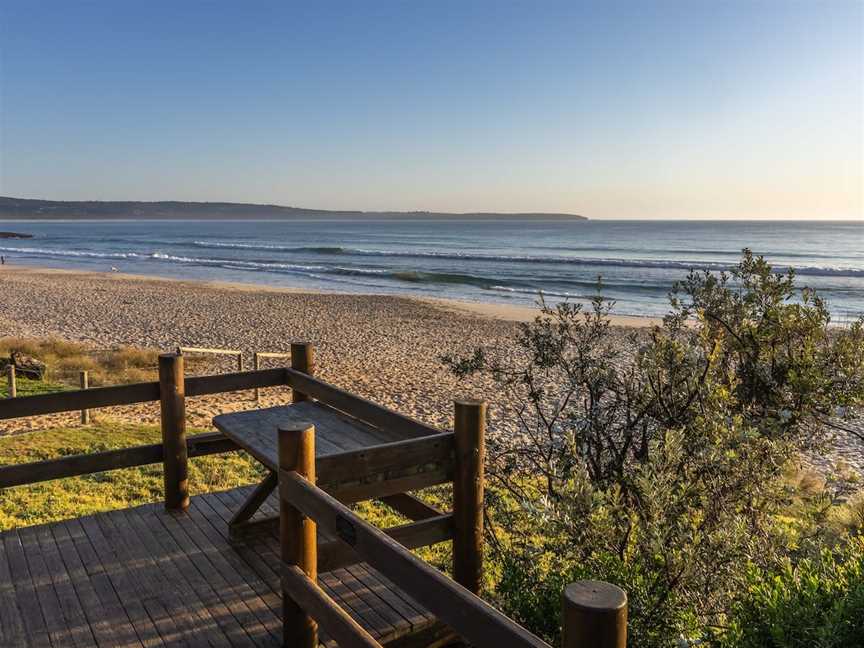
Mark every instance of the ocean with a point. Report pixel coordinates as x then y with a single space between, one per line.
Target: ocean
505 261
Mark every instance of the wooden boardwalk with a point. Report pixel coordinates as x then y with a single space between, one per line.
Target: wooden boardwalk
146 577
217 574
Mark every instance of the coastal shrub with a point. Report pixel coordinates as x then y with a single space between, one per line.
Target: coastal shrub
816 603
658 460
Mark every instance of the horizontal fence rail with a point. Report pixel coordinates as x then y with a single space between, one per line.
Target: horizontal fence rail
388 469
204 350
198 445
74 400
356 406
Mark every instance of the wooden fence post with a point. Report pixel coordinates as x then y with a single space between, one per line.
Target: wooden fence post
256 360
172 396
302 359
470 428
84 381
12 387
240 361
297 533
594 615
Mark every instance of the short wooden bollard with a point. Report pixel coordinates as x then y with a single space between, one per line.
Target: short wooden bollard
172 396
302 359
84 381
468 488
595 615
297 533
11 384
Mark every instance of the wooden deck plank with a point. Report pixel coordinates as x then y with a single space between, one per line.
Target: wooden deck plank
260 554
244 569
146 577
92 572
76 621
116 571
239 575
138 573
264 548
372 614
51 610
25 592
239 622
247 608
108 623
191 614
411 617
230 630
12 630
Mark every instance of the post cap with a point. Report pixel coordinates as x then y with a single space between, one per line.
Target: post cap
470 402
595 596
296 426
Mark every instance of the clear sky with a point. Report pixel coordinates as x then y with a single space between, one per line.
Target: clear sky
690 109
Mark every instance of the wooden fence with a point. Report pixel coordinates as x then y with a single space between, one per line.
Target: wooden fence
594 613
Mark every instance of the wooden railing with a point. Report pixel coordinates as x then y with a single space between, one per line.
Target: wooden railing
594 613
237 353
171 391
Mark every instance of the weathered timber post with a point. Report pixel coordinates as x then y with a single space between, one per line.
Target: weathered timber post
302 359
11 384
297 533
172 396
595 615
256 359
240 361
84 381
470 428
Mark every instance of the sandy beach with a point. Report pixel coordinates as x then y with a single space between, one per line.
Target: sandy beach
384 348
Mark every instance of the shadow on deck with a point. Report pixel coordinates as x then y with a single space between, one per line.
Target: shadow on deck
146 577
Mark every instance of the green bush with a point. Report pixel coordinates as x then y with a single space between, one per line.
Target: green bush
659 461
816 603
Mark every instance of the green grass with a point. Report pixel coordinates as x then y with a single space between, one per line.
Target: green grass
78 496
26 387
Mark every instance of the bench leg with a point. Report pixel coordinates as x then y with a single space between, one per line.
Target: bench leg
241 518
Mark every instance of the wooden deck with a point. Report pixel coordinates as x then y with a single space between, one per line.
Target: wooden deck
146 577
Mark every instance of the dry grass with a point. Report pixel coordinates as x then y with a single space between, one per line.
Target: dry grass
66 359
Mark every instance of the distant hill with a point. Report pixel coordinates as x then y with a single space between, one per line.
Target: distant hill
25 208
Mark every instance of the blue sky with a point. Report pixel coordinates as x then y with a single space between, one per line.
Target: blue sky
690 109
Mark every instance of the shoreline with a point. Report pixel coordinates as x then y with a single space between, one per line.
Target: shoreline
486 310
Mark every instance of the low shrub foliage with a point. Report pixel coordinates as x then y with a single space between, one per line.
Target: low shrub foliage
660 461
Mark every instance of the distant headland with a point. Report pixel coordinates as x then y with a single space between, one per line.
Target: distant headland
30 209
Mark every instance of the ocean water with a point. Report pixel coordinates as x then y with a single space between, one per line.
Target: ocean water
503 261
